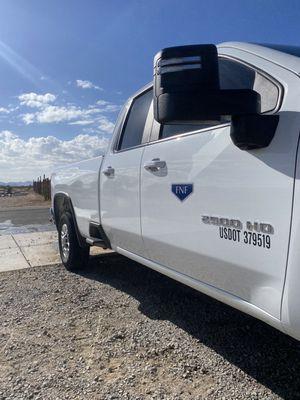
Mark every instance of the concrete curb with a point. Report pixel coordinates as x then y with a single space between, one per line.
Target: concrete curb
32 250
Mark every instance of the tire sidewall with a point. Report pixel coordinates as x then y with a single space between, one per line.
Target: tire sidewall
66 218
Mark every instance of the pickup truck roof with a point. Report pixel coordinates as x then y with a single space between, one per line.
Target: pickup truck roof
285 56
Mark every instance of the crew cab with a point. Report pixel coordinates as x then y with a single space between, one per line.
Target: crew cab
201 179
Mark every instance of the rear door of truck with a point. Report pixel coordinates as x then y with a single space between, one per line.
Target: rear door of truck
199 208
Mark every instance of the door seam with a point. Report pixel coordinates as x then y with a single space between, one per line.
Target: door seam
140 202
290 230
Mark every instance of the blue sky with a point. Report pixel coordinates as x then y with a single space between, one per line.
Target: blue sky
66 66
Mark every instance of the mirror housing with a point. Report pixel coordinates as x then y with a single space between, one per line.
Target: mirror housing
253 131
187 87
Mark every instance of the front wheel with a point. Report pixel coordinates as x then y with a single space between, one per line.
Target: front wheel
72 255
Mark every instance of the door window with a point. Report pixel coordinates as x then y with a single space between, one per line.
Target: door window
233 75
168 130
133 129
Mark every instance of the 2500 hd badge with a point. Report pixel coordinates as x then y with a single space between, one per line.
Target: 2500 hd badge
255 234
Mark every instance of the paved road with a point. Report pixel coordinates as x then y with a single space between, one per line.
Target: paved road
22 220
25 216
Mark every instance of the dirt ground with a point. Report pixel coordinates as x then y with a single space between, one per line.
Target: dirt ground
32 199
121 331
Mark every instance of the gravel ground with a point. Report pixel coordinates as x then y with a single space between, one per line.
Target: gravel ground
121 331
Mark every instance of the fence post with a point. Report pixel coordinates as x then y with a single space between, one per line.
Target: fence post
43 187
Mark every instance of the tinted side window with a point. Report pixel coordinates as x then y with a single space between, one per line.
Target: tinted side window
233 75
132 134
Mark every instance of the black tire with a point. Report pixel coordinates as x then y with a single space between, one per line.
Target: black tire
72 255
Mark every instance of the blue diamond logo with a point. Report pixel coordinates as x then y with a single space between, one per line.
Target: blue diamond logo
182 190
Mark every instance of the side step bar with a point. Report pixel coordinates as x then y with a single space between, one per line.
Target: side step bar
95 242
97 236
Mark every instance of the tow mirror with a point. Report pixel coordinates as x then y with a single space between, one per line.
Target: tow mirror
187 90
187 87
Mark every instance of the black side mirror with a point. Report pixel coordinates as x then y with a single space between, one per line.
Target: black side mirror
187 87
253 131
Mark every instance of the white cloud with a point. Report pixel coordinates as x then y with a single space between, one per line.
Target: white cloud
83 122
111 108
48 113
22 159
4 110
107 106
71 114
6 136
105 125
28 118
52 114
35 100
102 102
87 85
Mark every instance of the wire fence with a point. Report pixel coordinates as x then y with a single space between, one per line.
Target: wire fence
43 187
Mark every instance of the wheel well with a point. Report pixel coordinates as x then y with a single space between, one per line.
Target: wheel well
62 203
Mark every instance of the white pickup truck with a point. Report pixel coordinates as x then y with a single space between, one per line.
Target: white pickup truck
201 179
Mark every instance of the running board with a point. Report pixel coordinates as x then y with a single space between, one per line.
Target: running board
97 236
96 242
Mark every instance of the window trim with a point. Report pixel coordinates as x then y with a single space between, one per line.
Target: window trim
190 133
193 131
145 136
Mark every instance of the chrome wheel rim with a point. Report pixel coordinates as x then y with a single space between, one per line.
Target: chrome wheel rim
65 242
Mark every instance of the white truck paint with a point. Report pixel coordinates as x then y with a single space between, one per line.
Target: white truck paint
76 179
146 222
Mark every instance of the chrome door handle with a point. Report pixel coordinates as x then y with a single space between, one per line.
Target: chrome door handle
109 171
155 165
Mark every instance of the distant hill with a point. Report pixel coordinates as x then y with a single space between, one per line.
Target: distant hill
26 183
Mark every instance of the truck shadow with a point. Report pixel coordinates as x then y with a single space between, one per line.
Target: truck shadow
268 356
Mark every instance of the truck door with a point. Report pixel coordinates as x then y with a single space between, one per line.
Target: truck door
120 176
219 214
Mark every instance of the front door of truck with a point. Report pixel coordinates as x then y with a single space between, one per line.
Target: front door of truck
120 177
202 207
